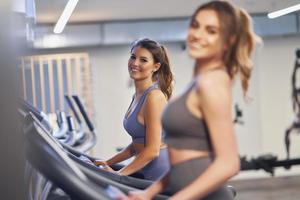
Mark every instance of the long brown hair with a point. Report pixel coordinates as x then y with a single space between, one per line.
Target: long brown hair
163 75
238 37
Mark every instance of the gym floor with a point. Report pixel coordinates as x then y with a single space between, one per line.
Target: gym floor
273 188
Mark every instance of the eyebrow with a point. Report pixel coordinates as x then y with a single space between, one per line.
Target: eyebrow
214 27
140 57
209 26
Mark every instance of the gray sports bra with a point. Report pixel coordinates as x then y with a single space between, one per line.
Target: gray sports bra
184 130
135 129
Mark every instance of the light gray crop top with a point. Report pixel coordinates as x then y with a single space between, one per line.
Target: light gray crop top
184 130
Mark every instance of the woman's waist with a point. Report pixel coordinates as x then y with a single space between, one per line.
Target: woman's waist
178 156
189 142
138 147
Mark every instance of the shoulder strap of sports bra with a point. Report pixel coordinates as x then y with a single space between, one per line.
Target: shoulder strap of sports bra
146 92
189 87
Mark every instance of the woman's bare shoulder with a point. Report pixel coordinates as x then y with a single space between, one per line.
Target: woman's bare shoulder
213 80
156 96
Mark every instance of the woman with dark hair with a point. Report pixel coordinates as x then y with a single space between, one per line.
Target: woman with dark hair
200 133
150 70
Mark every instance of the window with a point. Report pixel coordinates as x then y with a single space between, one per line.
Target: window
45 79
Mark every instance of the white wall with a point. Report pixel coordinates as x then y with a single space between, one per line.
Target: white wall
265 118
276 66
111 97
276 61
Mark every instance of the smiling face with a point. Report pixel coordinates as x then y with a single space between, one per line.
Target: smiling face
141 64
205 39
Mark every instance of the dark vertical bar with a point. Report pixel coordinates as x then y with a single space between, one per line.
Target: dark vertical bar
11 139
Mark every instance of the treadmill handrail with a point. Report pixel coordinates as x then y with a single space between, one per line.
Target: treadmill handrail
71 105
110 178
62 124
40 115
83 112
91 135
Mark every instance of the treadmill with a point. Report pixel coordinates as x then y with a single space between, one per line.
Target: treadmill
102 178
50 160
132 180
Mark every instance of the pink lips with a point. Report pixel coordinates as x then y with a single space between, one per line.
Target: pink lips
134 69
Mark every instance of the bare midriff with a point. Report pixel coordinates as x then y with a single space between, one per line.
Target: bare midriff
139 147
177 156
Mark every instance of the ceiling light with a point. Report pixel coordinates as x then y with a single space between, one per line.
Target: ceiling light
63 19
284 11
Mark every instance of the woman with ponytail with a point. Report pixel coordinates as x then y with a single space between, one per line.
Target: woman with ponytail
150 70
198 124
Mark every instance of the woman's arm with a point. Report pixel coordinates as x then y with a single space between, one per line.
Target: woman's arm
214 93
126 153
153 108
156 188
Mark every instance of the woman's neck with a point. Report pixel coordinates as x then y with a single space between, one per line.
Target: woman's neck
204 66
141 86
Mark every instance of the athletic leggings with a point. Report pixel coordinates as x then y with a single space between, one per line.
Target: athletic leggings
157 167
184 173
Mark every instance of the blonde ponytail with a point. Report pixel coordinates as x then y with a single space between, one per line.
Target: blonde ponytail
246 40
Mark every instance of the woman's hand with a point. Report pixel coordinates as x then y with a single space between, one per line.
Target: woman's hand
100 162
108 168
139 195
103 165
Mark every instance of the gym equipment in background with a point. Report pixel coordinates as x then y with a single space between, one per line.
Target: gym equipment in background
269 162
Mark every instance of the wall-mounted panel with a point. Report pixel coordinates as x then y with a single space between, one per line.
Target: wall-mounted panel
278 26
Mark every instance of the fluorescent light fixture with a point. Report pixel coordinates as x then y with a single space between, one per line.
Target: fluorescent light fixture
63 19
284 11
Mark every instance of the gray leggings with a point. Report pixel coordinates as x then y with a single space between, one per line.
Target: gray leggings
184 173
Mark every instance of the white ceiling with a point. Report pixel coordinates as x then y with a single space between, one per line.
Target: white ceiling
48 11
